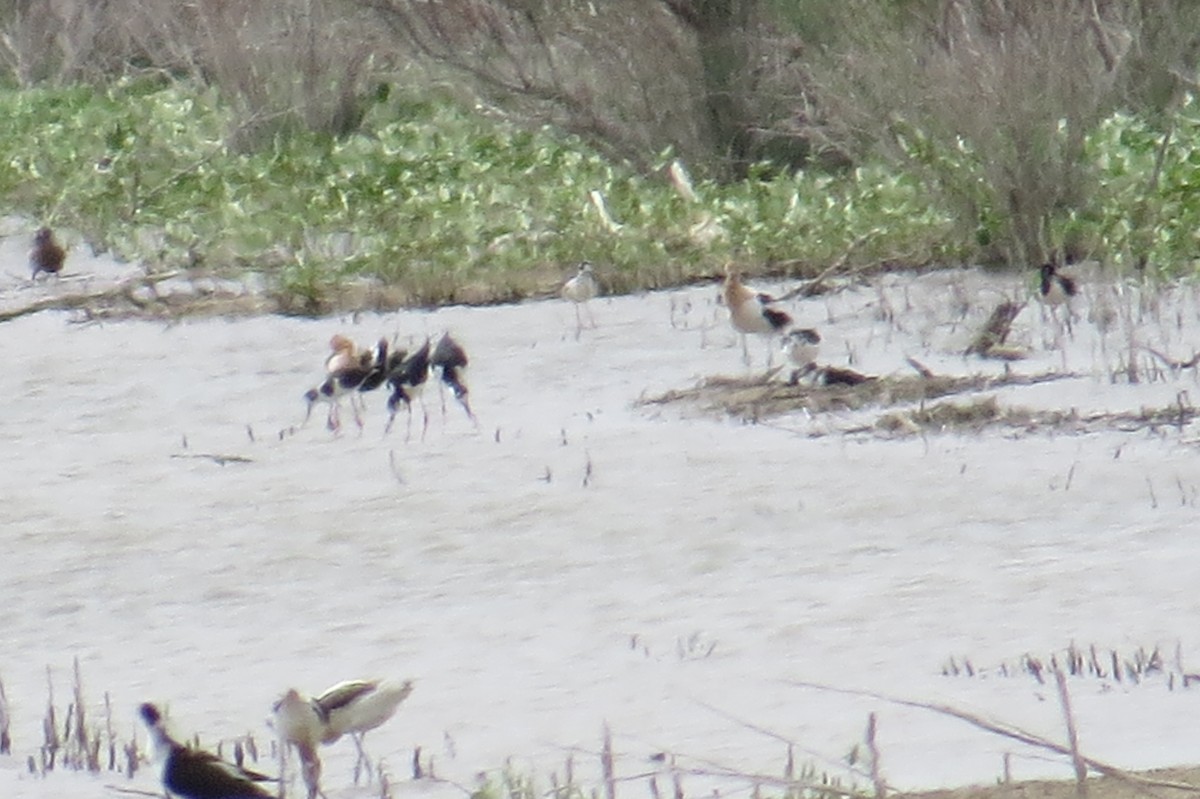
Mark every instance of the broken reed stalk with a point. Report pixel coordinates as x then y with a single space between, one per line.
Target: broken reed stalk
873 748
1072 735
606 764
5 715
1008 731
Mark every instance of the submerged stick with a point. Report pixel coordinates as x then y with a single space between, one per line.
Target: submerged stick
1072 736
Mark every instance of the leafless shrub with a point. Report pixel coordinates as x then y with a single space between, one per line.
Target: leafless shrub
1005 88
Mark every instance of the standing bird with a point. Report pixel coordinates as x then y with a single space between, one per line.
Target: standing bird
47 255
449 360
194 774
354 707
751 312
407 377
348 370
801 346
579 290
1057 289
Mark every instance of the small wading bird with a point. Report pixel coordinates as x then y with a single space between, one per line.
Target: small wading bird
751 312
194 774
407 376
449 361
1057 289
801 346
354 708
579 289
47 254
347 370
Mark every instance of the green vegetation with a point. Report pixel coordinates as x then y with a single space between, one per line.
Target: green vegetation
431 197
434 199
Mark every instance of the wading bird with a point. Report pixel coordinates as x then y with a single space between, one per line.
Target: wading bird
579 289
350 708
407 377
449 362
1057 289
801 346
47 255
751 312
348 370
194 774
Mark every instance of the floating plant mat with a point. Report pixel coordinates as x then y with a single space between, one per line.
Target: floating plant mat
759 399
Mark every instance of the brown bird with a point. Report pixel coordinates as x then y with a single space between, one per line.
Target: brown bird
751 312
47 254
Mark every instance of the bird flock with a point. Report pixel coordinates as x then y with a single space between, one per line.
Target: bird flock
352 371
349 708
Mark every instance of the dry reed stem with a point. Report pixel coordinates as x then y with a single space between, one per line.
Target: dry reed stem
873 748
606 764
1072 735
5 715
1008 731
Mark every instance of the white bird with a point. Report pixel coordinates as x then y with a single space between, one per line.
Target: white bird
353 707
751 312
579 289
1057 289
801 346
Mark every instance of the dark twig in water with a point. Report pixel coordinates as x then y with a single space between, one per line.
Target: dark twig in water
995 330
220 460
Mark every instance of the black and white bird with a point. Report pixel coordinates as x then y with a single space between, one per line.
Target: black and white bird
801 346
46 255
579 290
1056 288
449 361
349 708
407 376
348 370
194 774
750 312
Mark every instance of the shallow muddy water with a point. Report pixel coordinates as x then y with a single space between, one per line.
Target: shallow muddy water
578 560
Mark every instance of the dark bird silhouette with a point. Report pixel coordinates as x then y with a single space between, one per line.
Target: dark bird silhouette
47 254
407 378
195 774
449 361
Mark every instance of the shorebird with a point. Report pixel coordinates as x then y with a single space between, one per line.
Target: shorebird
407 377
751 312
350 708
347 370
449 361
1057 289
801 346
47 254
579 289
194 774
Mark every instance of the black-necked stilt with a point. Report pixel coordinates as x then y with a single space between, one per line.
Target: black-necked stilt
349 708
407 377
1056 288
47 255
751 312
449 360
801 346
579 289
194 774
